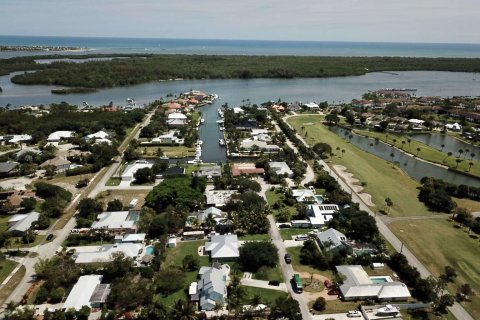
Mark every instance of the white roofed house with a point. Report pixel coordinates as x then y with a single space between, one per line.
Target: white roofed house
281 168
168 138
359 286
117 221
256 145
130 170
219 198
312 106
98 135
223 247
105 253
88 291
303 195
320 214
176 120
212 286
21 223
17 138
59 135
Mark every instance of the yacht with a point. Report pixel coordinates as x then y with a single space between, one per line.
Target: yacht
388 310
202 121
220 121
221 142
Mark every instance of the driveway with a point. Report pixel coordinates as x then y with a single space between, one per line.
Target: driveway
336 316
248 281
16 183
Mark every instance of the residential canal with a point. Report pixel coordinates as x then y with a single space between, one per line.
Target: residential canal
450 144
414 167
210 134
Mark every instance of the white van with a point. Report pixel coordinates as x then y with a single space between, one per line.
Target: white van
133 203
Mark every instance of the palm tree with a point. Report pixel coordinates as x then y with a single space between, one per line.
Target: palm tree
394 141
470 164
10 307
210 222
256 300
409 141
218 307
449 154
458 160
403 144
392 155
418 151
343 152
443 146
466 151
388 203
472 155
460 151
182 310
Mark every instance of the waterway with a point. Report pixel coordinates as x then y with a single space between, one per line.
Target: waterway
450 144
414 167
209 133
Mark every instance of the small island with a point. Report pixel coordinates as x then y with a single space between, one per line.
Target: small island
72 90
40 48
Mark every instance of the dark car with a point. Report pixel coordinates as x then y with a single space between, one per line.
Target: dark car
49 237
288 258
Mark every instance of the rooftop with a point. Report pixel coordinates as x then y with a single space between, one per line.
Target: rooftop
219 198
104 253
114 220
82 291
223 246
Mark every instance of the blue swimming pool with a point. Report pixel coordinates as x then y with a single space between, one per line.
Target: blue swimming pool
149 250
379 280
319 199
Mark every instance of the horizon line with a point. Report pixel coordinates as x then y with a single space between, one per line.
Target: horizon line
257 40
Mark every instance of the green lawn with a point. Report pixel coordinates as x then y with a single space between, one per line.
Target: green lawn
287 233
437 244
113 181
470 205
249 237
268 296
426 152
6 267
274 196
174 257
270 274
382 178
298 267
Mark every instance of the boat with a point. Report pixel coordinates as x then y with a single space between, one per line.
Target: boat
220 121
220 113
388 310
222 128
202 121
221 142
199 142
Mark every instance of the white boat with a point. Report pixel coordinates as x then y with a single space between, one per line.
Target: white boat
221 142
202 121
220 113
222 128
388 310
199 142
220 121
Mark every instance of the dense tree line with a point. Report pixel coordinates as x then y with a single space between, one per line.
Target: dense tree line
119 72
436 196
307 153
56 199
248 211
459 191
333 190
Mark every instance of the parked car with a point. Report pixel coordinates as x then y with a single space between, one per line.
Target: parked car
354 314
288 258
49 237
301 237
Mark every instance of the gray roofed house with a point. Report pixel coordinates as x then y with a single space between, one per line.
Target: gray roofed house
212 287
7 168
20 223
105 252
223 247
88 291
359 286
212 171
332 239
250 144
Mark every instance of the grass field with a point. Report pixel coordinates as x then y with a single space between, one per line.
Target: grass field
6 266
11 284
298 267
268 296
437 244
290 233
427 153
113 181
383 180
174 257
470 205
169 151
249 237
124 195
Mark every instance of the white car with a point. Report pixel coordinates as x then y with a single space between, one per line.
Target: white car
353 314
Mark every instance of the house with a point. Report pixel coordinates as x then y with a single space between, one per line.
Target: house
97 135
294 107
134 238
218 198
21 153
238 110
8 169
312 106
21 223
59 163
88 291
176 120
212 286
168 138
117 221
453 126
416 122
304 195
223 247
17 138
129 172
209 171
256 145
332 239
359 286
277 108
320 214
107 141
246 168
281 168
171 172
106 252
59 135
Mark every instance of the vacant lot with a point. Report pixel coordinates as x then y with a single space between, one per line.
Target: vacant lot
125 196
268 296
437 243
381 177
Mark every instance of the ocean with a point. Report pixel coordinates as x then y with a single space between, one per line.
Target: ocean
239 47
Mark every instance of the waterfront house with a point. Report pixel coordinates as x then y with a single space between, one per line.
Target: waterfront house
170 137
176 120
88 291
209 171
453 126
212 287
246 168
223 247
249 145
171 172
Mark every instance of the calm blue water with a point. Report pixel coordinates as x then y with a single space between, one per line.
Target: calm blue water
243 47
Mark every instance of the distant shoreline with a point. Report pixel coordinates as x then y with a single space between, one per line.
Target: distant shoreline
41 48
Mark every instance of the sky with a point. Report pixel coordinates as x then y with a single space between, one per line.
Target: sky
440 21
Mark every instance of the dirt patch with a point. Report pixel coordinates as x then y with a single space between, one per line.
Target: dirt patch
353 183
314 282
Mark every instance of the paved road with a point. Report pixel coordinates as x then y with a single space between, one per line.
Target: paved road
47 249
287 269
457 310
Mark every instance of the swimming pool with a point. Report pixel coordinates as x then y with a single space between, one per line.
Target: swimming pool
149 250
319 199
381 279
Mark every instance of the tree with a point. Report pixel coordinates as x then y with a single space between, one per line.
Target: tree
320 304
458 161
311 255
322 149
389 204
446 300
144 175
460 151
251 260
449 154
114 205
169 280
190 263
217 307
464 292
332 118
450 274
418 151
286 307
28 204
183 310
88 208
